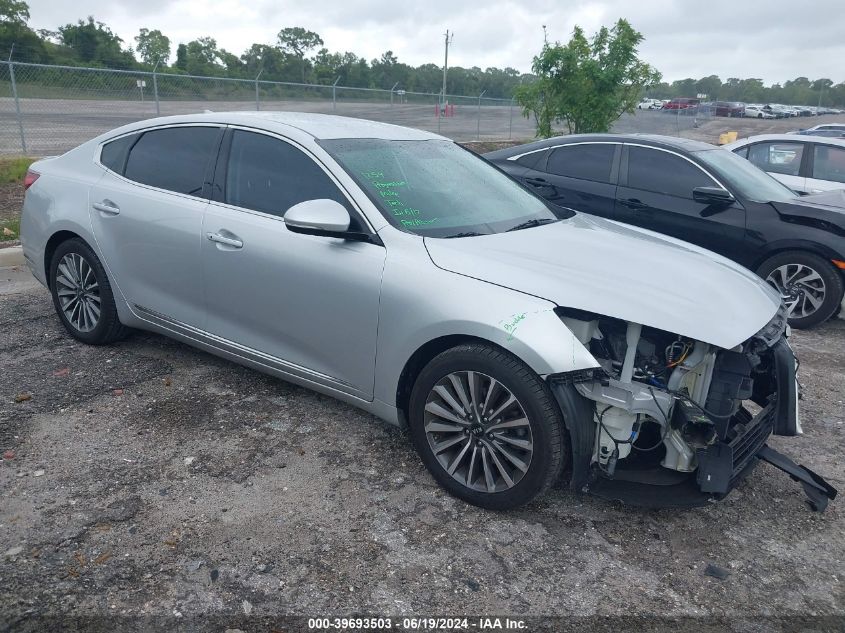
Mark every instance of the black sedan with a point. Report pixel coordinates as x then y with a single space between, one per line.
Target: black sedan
701 194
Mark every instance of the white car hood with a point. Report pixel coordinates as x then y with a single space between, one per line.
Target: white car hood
619 271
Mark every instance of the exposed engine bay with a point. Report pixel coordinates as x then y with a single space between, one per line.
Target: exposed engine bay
681 414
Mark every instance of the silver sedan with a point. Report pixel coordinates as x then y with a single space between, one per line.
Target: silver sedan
394 270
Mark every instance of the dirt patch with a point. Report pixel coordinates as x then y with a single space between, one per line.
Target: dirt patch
482 147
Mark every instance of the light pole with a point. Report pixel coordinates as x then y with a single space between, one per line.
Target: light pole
446 65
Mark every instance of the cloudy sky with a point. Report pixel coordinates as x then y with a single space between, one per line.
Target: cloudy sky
774 40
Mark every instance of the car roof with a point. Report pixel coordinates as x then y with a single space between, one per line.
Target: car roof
800 138
654 140
319 126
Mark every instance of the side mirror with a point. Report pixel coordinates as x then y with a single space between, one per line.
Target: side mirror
325 218
713 195
317 217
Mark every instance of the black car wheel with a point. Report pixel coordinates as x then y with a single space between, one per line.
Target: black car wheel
487 427
811 287
82 294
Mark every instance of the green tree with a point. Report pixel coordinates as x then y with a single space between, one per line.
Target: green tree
587 84
14 12
202 57
181 57
94 43
16 38
153 47
297 42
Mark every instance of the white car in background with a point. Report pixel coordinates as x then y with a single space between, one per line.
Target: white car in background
806 164
757 112
650 104
825 127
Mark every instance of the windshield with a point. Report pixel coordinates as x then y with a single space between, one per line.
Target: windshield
752 183
437 189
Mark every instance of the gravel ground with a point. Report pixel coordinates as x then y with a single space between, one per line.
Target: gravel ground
149 486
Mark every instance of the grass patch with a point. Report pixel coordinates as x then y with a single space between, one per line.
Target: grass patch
10 229
14 169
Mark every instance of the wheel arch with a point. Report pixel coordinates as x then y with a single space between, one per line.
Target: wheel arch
812 248
420 358
52 244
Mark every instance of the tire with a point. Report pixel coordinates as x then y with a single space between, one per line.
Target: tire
534 419
803 279
77 304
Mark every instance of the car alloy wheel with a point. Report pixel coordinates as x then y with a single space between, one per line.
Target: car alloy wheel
478 431
801 288
78 292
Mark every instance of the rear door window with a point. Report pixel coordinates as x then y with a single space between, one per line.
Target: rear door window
269 175
663 172
779 158
829 163
175 159
587 161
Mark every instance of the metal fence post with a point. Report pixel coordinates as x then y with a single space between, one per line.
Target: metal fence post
510 119
17 105
334 94
478 128
257 104
155 89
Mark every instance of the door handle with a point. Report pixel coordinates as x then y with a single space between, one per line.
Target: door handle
106 206
222 239
539 182
634 204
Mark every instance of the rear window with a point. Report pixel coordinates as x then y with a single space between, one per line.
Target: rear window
113 154
173 158
592 161
531 160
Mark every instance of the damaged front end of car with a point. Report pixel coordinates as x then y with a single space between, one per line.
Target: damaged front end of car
671 421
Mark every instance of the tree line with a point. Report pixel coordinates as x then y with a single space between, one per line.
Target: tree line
297 55
799 91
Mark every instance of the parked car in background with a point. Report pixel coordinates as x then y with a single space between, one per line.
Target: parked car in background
728 108
650 104
392 269
682 103
758 112
805 164
824 127
702 194
825 133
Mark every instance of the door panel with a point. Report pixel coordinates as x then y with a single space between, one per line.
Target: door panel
580 176
310 301
151 238
658 196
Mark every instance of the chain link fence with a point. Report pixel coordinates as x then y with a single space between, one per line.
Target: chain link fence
47 110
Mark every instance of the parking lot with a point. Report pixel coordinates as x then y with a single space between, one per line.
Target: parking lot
147 483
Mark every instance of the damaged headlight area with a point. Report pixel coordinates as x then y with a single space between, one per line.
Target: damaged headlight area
673 421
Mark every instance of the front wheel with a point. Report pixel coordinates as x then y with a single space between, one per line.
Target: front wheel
487 427
810 286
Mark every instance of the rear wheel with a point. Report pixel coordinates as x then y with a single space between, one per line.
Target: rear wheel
810 286
487 427
82 294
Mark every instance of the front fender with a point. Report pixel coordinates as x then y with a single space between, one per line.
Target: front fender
416 309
